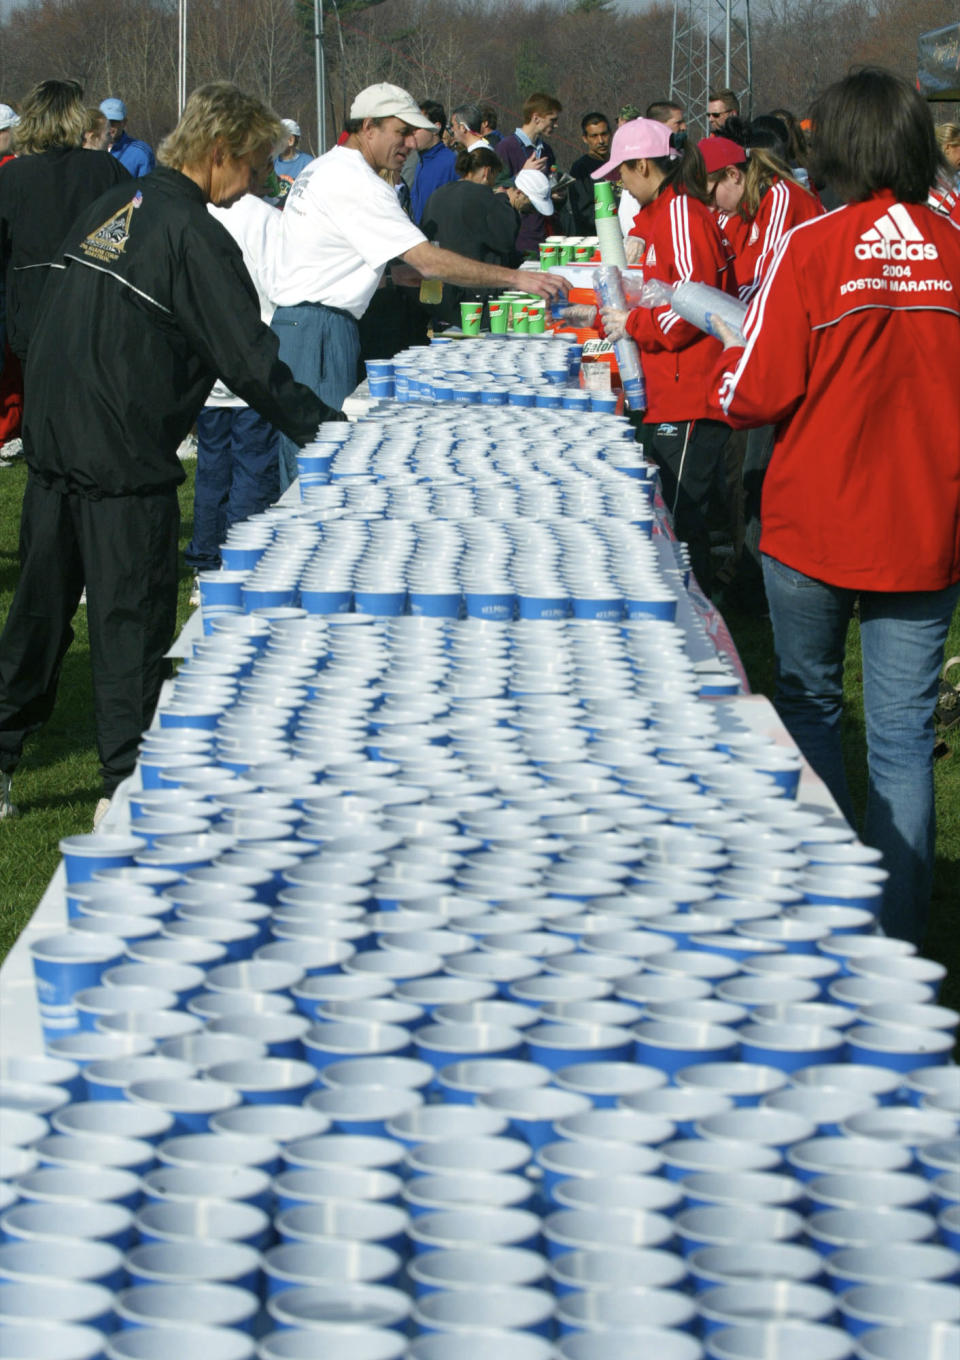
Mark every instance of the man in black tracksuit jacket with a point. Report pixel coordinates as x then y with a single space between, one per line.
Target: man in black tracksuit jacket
150 304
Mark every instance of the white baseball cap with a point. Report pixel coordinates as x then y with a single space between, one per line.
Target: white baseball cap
292 127
536 186
389 101
8 119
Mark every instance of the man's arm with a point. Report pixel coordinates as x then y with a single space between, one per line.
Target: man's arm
435 263
217 309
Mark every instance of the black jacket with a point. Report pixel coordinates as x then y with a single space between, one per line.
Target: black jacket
41 197
474 221
152 302
581 194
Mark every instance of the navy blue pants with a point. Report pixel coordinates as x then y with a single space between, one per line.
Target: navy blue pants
237 476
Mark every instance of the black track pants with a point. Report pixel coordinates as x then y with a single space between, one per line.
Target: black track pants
124 550
688 455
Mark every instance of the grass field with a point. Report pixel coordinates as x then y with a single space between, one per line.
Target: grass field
57 786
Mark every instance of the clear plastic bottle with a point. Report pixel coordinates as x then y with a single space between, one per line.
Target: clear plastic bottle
608 286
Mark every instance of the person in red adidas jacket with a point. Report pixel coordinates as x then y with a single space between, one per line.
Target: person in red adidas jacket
682 243
757 200
851 349
760 201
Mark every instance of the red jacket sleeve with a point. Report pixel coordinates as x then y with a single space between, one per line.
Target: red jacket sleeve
686 247
763 382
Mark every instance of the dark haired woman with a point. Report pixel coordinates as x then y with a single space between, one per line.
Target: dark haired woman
42 192
852 344
468 216
681 244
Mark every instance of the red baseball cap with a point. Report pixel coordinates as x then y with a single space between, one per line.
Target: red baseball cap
719 152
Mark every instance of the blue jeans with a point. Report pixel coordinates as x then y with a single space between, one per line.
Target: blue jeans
901 638
237 476
321 347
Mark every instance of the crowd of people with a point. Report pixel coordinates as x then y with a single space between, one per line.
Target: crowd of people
232 289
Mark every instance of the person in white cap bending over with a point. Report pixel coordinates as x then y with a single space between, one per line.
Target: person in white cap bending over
291 160
341 225
133 155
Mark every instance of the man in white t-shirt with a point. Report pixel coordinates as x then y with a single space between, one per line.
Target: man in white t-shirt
341 226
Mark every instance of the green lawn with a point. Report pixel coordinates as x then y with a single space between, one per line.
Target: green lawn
57 785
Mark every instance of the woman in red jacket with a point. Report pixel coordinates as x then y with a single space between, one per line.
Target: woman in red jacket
682 243
758 188
851 350
761 200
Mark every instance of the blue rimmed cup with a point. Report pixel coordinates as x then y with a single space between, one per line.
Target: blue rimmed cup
364 1109
898 1305
38 1305
831 1230
675 1045
448 1229
65 964
617 1268
899 1048
517 1308
742 1261
355 1221
339 1343
780 1340
51 1341
462 1082
563 1160
823 1156
187 1302
292 1265
189 1343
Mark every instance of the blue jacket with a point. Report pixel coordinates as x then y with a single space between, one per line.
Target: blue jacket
137 157
437 166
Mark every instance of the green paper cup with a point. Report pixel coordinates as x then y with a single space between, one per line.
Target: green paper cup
520 320
499 315
549 255
470 314
567 254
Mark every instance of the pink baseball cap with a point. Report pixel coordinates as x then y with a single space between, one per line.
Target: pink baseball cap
642 138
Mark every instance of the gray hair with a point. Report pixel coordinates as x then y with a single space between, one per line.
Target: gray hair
471 115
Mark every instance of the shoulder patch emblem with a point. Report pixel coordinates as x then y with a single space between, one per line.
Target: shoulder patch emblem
106 243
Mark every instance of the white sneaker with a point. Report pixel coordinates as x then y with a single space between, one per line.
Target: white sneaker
188 448
103 807
195 592
11 451
7 809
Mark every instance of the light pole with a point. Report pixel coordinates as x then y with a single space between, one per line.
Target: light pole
320 72
320 75
181 55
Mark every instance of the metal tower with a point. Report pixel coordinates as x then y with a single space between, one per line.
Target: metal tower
711 50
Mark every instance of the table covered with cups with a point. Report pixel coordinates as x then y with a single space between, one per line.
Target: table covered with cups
470 964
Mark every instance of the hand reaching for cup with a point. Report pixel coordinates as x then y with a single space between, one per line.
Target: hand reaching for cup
614 322
544 285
